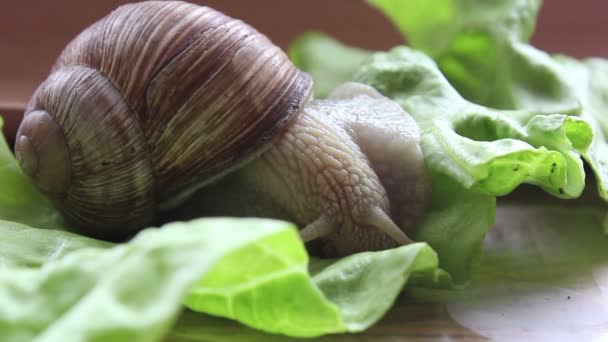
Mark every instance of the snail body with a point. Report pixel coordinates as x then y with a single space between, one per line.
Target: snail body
162 100
347 169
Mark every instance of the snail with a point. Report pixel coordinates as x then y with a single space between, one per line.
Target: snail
163 104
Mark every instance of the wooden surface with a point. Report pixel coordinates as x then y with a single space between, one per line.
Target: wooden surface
407 320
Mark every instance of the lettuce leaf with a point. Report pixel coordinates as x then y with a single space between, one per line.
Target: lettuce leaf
134 291
24 246
274 293
484 149
485 54
476 45
432 25
339 63
131 292
587 80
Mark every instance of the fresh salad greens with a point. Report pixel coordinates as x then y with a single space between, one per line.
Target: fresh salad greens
486 150
482 49
494 113
314 46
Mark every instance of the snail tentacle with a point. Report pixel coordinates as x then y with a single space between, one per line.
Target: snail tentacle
381 221
321 227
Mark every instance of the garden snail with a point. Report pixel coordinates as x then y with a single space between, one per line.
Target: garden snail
163 102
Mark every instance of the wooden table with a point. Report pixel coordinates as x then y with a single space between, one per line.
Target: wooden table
407 320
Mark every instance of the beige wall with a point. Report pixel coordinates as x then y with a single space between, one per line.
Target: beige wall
32 33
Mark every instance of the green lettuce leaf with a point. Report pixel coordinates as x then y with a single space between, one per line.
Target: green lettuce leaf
487 150
131 292
91 291
24 246
338 65
485 54
587 80
432 25
272 291
275 293
462 34
456 223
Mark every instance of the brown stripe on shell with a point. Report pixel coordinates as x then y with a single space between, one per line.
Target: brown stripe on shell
134 42
111 183
216 105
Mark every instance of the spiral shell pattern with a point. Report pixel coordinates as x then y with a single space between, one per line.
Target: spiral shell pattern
155 101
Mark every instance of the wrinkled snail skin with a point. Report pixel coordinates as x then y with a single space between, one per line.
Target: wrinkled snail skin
346 163
163 102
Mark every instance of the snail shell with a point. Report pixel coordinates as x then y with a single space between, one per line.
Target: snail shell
150 104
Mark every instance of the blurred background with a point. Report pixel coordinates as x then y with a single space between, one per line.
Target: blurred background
33 33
